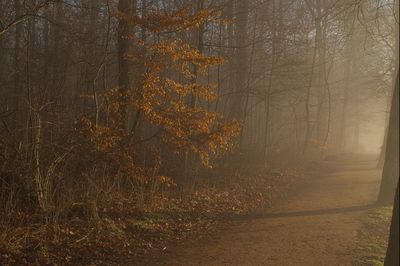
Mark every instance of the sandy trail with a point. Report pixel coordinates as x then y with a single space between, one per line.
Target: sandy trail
315 226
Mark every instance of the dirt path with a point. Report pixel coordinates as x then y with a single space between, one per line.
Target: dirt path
315 226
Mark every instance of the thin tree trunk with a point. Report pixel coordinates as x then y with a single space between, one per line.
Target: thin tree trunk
241 64
247 89
17 84
199 34
270 78
124 6
347 73
307 103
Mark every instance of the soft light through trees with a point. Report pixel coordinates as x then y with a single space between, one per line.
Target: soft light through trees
125 95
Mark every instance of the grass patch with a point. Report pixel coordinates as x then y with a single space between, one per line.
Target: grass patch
372 238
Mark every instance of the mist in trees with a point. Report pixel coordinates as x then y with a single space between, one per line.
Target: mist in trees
135 97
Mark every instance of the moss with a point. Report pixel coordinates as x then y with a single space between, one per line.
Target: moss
142 225
371 242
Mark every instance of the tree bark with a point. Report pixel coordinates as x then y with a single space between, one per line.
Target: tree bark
396 64
270 80
125 7
392 254
349 54
390 173
241 64
17 84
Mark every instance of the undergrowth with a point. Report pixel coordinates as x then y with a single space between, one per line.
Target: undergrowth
372 238
124 231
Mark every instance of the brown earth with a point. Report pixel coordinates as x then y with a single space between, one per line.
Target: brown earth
314 225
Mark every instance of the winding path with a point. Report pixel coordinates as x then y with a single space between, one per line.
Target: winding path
314 226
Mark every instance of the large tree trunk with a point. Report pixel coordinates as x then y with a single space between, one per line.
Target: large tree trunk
381 159
390 173
392 254
396 64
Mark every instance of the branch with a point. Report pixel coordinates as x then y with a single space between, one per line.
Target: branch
22 18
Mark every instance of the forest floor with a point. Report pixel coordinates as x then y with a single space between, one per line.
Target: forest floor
125 232
319 214
316 224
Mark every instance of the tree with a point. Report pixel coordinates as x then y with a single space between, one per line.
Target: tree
125 7
241 64
392 254
381 159
128 85
390 175
180 125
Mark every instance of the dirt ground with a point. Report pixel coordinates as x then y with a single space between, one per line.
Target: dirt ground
315 225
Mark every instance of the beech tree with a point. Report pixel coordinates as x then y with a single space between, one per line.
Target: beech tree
93 92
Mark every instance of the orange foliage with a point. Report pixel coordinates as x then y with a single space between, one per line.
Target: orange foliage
162 100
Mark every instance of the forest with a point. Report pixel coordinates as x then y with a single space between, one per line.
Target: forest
199 132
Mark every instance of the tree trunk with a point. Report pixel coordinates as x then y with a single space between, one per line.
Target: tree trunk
321 95
270 80
17 84
392 253
381 159
248 86
349 53
396 64
390 173
241 65
124 6
189 164
307 134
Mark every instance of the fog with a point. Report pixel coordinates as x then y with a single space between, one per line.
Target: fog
129 126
